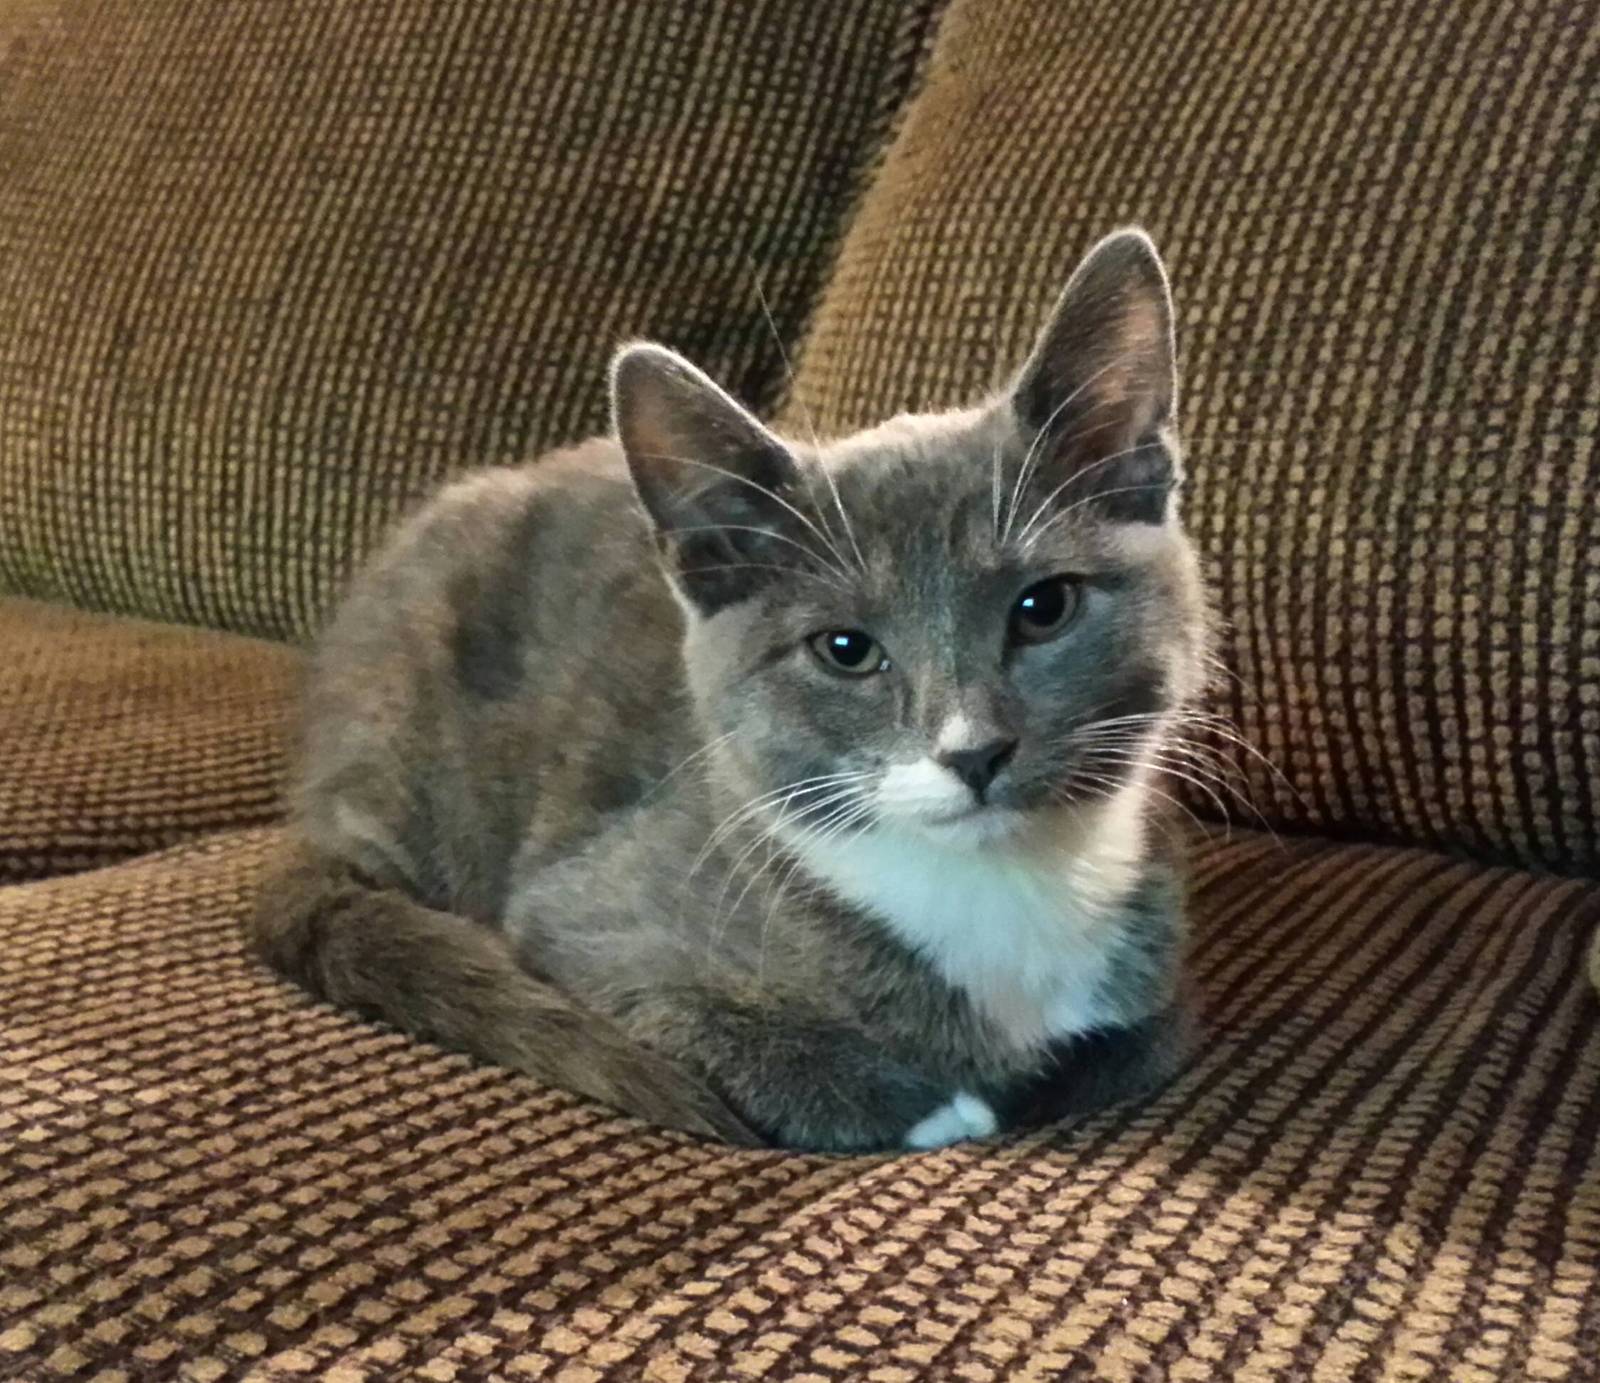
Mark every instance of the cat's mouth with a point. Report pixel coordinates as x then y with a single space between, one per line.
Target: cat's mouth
974 824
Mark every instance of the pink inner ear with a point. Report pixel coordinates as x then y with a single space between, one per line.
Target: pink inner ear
1133 384
681 432
1106 357
1144 327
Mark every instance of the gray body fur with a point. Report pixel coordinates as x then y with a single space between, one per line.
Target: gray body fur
543 813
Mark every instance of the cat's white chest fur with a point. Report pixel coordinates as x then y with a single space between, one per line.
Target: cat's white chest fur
1025 924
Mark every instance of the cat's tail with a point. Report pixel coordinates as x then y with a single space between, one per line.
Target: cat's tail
455 982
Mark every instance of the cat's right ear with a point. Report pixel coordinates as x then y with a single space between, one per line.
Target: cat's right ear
1098 397
718 486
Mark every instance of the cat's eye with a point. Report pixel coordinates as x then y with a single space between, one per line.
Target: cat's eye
1044 610
849 651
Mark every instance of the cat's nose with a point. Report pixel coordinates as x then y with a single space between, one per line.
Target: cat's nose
978 767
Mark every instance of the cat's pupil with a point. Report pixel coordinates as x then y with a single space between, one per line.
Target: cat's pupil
849 651
1044 604
850 648
1044 610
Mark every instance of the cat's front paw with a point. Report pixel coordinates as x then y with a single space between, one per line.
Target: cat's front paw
965 1116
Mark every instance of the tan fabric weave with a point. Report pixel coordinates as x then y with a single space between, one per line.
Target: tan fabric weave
1385 1165
269 271
1381 223
118 736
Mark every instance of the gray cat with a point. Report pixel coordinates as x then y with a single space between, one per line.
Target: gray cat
814 802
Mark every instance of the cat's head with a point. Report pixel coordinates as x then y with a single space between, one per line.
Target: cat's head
950 623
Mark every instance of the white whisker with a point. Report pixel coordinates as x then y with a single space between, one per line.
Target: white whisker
1111 784
759 566
769 832
1039 436
682 764
1154 758
756 805
810 552
1073 479
805 413
1077 505
842 568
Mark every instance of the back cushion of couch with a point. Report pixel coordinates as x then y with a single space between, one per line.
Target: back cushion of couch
1382 224
269 271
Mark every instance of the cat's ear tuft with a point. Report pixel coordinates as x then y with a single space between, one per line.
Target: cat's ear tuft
1099 393
711 477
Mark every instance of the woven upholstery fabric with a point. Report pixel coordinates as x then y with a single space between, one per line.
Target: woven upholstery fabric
119 736
1379 219
268 272
1384 1164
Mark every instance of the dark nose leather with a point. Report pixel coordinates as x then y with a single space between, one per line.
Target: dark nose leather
977 768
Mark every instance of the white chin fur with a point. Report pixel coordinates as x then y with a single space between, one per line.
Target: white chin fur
1015 908
980 826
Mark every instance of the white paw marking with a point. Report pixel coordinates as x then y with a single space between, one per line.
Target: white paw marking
966 1116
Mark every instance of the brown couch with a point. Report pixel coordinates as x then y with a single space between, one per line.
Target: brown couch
268 272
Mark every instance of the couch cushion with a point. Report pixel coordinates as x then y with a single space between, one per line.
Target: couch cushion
121 736
1380 222
268 271
1384 1164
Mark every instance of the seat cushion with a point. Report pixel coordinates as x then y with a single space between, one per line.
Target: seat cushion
1378 222
268 272
122 736
1384 1163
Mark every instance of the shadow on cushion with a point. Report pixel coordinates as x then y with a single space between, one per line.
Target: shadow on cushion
123 736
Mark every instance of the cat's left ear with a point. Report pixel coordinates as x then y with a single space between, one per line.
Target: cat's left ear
719 487
1098 396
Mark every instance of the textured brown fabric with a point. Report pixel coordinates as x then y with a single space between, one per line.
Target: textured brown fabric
1380 219
118 736
268 271
1384 1164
